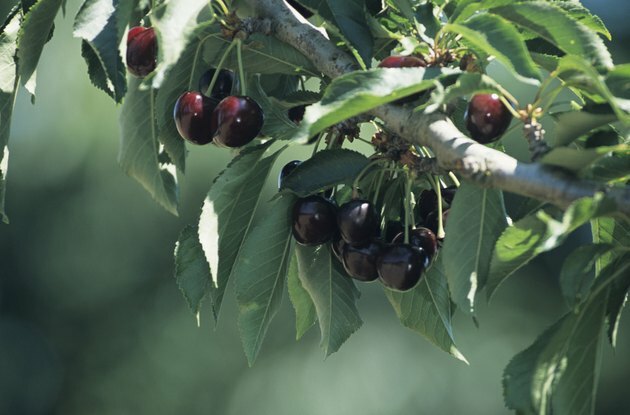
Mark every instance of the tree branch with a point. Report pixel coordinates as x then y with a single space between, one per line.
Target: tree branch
454 151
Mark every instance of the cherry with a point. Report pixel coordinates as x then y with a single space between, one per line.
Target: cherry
296 114
403 62
286 170
223 85
487 118
421 238
400 266
313 220
193 117
239 120
358 222
141 51
360 261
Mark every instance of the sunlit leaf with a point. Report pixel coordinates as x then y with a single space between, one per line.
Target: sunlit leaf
191 269
333 294
139 149
8 86
260 274
427 308
538 233
34 34
476 218
360 91
228 213
497 37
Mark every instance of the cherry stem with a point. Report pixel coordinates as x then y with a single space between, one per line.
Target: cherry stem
436 186
319 139
196 58
215 76
241 72
454 179
223 6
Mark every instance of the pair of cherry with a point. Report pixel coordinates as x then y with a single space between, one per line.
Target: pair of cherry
226 120
353 229
221 118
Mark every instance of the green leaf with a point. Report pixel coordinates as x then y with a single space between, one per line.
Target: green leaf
578 272
34 34
360 91
499 38
477 216
575 159
175 26
616 233
191 269
228 213
8 87
579 74
260 274
538 233
558 373
469 84
333 294
427 309
325 169
305 314
467 8
573 124
138 155
553 24
350 16
277 123
618 297
97 23
584 16
261 54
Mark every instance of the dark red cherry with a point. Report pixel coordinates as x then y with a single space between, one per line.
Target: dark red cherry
193 117
286 170
400 266
487 118
421 238
313 220
358 222
141 51
403 62
223 85
360 261
296 114
239 120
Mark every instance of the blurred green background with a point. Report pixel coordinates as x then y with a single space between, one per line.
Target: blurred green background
91 321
